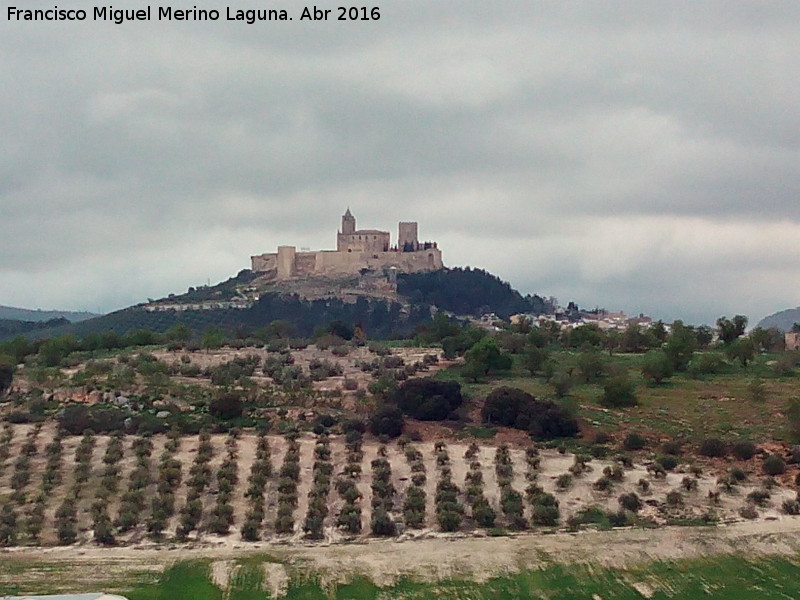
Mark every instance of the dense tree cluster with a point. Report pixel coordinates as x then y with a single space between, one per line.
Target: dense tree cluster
467 292
513 407
428 399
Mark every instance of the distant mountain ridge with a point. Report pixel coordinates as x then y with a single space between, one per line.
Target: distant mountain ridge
782 320
12 313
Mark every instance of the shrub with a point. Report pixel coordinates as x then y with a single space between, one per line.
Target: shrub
428 399
543 419
484 515
656 366
791 507
674 499
387 420
773 465
634 441
545 515
668 463
758 497
382 523
748 511
737 474
672 447
689 484
619 392
713 448
564 481
743 450
226 406
630 502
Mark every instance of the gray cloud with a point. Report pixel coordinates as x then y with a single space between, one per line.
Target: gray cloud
640 155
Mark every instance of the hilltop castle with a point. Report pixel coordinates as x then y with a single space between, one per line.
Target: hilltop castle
356 250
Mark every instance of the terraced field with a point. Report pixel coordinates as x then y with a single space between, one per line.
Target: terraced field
233 489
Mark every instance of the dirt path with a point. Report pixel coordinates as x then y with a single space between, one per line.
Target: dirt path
385 561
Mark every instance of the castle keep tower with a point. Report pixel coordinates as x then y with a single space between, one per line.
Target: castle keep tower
407 240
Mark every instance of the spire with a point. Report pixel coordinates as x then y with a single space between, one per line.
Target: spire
347 213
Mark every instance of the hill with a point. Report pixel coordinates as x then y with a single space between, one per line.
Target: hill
239 305
782 320
10 328
12 313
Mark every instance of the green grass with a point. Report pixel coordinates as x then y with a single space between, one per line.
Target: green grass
716 405
728 577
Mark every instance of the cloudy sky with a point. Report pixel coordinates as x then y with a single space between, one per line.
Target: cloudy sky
640 155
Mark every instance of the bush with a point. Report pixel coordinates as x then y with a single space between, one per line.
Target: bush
545 515
656 366
713 448
226 406
387 420
773 465
667 462
619 392
674 499
634 441
428 399
630 502
672 447
543 419
744 450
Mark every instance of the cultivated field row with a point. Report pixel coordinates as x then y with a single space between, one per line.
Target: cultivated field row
126 489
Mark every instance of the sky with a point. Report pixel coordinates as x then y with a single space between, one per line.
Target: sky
640 155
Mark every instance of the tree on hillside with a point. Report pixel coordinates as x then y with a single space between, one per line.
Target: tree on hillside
585 334
590 363
731 329
656 366
704 335
680 346
534 358
485 357
428 399
619 392
387 420
178 333
741 349
634 339
213 338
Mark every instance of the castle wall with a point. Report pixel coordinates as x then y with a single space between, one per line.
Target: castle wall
264 262
305 263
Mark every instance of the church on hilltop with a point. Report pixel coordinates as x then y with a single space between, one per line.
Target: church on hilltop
356 250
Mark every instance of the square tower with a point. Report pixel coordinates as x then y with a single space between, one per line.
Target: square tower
407 240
